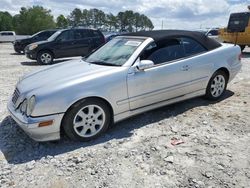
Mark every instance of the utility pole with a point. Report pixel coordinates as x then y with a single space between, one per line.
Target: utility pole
162 24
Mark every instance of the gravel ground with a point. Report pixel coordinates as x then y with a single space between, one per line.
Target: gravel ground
214 150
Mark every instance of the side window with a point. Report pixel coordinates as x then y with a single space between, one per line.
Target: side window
80 34
7 34
96 33
43 35
192 47
65 36
148 51
88 33
51 33
213 32
168 51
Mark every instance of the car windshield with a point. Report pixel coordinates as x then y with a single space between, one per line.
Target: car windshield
115 53
35 34
54 36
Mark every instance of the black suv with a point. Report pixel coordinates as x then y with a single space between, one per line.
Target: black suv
19 45
65 43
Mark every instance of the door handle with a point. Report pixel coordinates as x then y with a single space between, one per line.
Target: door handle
185 68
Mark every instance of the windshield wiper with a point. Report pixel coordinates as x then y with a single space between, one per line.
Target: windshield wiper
103 63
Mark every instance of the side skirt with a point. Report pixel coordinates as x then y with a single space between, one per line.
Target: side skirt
127 114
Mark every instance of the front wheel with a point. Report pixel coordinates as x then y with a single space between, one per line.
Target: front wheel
216 85
86 120
45 58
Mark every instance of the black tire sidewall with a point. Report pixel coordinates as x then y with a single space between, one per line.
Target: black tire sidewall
39 57
67 122
208 89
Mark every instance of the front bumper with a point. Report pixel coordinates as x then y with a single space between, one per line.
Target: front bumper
30 54
18 48
30 125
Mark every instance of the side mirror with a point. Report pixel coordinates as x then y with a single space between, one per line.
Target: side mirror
145 64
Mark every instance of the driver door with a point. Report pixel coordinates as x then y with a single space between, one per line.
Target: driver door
65 45
166 80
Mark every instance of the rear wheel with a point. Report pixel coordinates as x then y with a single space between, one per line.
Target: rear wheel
217 85
86 120
45 57
242 47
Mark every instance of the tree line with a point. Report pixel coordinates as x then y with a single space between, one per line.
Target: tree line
33 19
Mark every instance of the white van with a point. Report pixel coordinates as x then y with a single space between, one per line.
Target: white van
10 36
7 36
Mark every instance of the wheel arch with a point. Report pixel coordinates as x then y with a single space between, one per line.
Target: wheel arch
89 98
225 70
46 50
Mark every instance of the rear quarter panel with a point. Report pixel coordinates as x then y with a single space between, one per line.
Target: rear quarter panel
204 65
227 56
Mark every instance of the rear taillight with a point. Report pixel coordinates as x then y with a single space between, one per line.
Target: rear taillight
240 56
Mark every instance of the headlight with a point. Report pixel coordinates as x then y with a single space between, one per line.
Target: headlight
24 105
31 105
33 46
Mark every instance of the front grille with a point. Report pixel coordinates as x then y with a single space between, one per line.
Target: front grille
15 96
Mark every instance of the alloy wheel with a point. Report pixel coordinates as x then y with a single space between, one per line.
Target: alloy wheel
46 58
218 86
89 120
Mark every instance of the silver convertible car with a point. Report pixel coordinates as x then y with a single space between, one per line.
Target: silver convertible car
129 75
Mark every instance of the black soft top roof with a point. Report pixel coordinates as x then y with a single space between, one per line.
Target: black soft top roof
160 36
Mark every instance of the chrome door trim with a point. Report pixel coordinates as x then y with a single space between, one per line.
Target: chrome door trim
126 114
167 89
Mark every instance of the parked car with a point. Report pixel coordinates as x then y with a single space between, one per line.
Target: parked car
65 43
20 44
10 36
110 36
213 33
129 75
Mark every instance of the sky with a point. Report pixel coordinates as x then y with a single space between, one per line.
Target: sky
166 14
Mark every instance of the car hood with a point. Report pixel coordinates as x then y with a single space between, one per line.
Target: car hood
63 74
23 40
38 43
41 42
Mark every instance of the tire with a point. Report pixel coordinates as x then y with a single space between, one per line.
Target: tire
242 47
45 58
217 85
86 120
